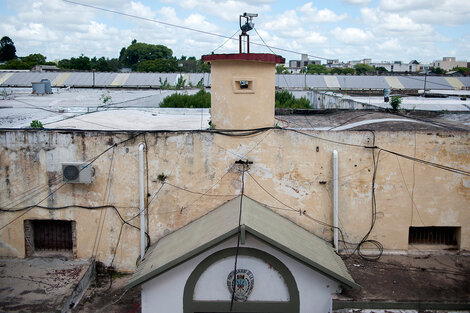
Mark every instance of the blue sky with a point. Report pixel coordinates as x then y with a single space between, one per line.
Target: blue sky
383 30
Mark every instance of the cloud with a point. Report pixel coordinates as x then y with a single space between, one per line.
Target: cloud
444 12
356 2
313 14
352 35
228 10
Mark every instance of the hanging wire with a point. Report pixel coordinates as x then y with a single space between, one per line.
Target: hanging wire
231 37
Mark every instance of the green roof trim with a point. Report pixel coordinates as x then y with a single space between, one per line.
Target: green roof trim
222 223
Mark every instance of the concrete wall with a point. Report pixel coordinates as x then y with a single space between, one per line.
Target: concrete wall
235 108
294 168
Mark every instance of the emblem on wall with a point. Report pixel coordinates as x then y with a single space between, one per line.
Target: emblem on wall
243 284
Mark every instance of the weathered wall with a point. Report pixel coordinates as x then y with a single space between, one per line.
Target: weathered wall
293 167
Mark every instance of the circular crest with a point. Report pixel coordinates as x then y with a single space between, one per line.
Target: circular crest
243 282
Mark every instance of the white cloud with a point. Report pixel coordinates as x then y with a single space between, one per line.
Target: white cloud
443 12
357 2
352 35
313 14
228 10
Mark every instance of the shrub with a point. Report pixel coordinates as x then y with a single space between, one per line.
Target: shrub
395 102
284 99
36 124
201 99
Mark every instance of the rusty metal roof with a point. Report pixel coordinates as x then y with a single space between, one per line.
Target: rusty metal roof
222 223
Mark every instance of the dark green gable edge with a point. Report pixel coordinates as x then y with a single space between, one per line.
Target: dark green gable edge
317 267
227 235
387 305
181 259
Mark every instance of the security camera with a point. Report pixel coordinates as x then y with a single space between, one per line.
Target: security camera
250 15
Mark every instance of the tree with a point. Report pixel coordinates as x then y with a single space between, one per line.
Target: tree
282 69
461 69
438 70
381 69
7 49
363 68
159 66
34 59
317 69
138 52
82 63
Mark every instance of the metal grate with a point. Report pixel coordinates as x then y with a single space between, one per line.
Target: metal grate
433 235
52 235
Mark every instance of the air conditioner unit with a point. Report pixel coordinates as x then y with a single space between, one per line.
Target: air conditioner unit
77 173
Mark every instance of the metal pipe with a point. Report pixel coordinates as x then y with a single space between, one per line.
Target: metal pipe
335 199
141 198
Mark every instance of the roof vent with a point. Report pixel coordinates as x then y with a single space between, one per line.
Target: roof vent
77 173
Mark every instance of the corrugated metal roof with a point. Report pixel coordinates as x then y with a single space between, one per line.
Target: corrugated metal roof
222 223
85 79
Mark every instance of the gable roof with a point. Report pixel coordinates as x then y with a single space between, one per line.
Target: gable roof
222 223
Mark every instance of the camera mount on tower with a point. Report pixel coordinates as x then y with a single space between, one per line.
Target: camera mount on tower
249 25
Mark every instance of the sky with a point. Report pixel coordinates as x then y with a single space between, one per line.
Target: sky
383 30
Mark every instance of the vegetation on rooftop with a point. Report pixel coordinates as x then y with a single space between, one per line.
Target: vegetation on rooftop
202 99
285 99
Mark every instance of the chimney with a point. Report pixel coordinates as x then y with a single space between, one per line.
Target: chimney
243 89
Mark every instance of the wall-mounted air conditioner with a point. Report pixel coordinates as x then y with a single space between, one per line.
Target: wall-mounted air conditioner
77 173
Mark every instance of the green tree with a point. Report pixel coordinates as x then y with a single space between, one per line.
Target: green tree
461 69
203 67
64 64
82 63
138 52
158 66
282 69
438 70
34 59
364 68
381 69
7 49
15 64
317 69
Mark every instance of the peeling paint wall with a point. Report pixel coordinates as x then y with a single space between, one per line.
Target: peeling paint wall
294 168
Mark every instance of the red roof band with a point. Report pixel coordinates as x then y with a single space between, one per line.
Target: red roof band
259 57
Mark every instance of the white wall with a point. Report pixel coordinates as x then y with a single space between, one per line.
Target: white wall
165 292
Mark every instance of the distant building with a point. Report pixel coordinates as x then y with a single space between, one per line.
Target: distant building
295 66
398 66
45 68
448 63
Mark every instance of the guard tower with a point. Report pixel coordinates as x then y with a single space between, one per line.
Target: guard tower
243 86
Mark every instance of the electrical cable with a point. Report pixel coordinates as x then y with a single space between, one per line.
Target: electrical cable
365 239
234 284
324 139
61 114
63 184
440 166
196 192
185 28
225 42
